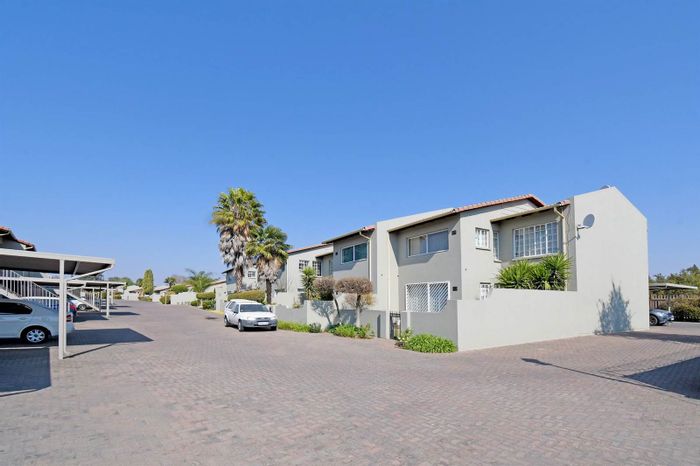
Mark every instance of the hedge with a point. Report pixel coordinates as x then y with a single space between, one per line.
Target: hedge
426 343
351 331
252 295
165 299
293 326
686 309
207 295
180 288
208 304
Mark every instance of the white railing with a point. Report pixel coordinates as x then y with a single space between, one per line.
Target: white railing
16 286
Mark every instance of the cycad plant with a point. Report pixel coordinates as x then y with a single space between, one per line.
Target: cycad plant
551 273
268 251
517 275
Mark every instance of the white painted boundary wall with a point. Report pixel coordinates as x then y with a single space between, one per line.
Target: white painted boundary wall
183 298
324 313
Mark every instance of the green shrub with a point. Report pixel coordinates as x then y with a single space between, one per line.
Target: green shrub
145 298
315 328
426 343
252 295
165 299
351 331
208 304
404 336
293 326
117 296
550 273
686 309
206 295
179 288
195 303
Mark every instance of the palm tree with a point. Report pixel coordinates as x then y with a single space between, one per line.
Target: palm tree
268 250
199 281
237 215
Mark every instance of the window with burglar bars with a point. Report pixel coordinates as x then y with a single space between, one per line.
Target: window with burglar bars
303 264
427 297
537 240
317 267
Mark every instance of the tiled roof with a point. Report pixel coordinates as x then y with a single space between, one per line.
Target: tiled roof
525 197
28 246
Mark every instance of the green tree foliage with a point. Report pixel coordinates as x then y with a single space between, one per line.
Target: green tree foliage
171 280
267 249
179 288
147 282
687 276
199 281
237 215
126 280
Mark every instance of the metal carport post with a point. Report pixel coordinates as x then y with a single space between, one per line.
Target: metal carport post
80 266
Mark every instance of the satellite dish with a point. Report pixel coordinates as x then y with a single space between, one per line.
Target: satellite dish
587 223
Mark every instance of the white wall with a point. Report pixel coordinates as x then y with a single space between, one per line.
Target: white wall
183 298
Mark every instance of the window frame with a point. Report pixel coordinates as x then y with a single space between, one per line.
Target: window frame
427 243
485 286
496 245
354 255
316 264
305 262
486 231
253 272
534 235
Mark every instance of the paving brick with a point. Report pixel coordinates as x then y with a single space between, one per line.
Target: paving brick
169 385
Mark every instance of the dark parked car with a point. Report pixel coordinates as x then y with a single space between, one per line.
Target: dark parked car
659 317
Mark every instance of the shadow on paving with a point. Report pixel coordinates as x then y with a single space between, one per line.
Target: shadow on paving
24 370
104 336
682 377
680 338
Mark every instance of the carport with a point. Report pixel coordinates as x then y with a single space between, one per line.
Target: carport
666 293
67 269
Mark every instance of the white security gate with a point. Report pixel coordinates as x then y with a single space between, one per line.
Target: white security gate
427 297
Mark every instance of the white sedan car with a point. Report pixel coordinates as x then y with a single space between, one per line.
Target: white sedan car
31 322
244 314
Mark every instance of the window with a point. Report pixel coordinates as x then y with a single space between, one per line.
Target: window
536 240
481 238
317 267
14 308
354 253
430 243
497 245
251 273
427 297
303 264
485 290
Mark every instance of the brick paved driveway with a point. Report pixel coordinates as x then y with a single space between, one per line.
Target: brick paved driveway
171 385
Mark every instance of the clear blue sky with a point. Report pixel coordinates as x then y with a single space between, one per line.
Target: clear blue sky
120 122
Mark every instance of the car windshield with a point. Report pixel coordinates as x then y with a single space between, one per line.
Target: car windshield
253 308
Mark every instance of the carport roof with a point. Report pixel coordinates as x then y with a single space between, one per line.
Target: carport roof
47 262
670 286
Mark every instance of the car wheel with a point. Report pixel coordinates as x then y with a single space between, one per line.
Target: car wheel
241 328
35 335
226 324
274 329
82 307
653 320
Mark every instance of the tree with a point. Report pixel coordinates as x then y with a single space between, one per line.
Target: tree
139 281
237 215
268 251
147 282
171 280
308 276
199 281
359 293
126 280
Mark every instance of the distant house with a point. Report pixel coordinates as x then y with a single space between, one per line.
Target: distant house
132 293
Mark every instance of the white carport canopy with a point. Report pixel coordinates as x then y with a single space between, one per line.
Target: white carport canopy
67 267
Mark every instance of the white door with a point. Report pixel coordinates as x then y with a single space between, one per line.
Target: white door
236 315
13 318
